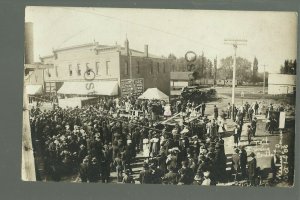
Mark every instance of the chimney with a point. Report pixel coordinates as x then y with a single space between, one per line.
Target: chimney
126 45
146 50
28 54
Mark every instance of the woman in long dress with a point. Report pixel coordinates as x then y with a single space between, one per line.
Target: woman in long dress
146 149
167 111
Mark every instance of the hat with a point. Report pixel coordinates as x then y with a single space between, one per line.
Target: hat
206 174
252 155
197 177
145 165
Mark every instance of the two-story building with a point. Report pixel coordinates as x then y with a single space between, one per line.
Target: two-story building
93 69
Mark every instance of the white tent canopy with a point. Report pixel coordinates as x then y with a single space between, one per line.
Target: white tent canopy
109 88
154 94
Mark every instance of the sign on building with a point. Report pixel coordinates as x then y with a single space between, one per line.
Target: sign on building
133 87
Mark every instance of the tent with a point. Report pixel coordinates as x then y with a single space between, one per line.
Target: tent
155 94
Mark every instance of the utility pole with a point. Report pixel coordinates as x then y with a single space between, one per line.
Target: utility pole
264 79
234 43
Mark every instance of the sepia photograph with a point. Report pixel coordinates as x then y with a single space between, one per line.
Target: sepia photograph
159 96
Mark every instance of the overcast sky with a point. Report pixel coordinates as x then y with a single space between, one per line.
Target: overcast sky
271 36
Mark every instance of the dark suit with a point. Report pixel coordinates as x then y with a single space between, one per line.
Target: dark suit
252 171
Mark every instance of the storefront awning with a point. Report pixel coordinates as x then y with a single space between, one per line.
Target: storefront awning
34 89
107 88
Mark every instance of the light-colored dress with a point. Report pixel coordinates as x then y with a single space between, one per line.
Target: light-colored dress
146 150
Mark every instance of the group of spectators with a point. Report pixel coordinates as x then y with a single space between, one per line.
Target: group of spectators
96 140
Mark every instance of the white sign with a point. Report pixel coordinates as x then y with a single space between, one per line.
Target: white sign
282 120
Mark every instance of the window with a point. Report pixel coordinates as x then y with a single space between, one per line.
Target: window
158 68
164 67
138 67
88 70
151 68
56 71
78 70
126 68
173 68
48 72
70 70
107 67
97 68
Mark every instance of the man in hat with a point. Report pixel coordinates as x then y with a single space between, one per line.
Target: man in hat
216 112
252 169
105 164
145 174
243 162
203 108
253 126
157 173
94 171
229 110
249 133
256 106
171 177
186 174
83 170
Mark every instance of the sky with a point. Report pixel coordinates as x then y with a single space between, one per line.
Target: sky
271 36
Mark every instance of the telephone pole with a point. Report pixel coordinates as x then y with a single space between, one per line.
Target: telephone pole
264 79
234 43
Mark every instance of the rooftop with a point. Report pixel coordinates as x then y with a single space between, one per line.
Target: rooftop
99 47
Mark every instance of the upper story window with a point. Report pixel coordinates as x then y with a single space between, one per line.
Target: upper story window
107 67
97 68
88 69
78 70
151 68
138 67
164 67
48 73
70 70
157 67
56 71
126 68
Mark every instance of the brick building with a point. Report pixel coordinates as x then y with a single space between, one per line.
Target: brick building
105 69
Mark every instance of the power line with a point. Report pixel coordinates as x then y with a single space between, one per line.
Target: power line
149 27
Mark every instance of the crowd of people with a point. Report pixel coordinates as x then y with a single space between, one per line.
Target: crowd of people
96 140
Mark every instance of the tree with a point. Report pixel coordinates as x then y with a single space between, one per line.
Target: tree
255 70
289 67
243 69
